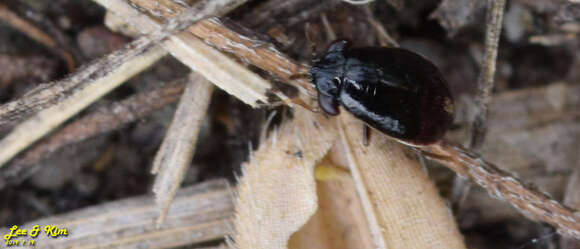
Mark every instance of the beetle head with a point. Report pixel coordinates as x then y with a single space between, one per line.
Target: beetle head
326 73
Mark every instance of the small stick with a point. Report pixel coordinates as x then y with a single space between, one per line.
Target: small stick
174 157
485 80
258 53
130 223
485 84
48 119
504 186
223 71
100 121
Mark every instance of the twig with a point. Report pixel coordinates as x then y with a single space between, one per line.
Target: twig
48 119
214 32
260 54
485 80
100 121
176 152
218 68
37 34
201 213
504 186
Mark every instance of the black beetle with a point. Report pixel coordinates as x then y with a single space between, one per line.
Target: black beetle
395 91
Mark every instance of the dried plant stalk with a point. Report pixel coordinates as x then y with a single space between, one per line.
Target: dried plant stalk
199 214
176 151
485 83
277 192
218 68
48 119
260 54
502 185
402 203
102 120
213 32
485 80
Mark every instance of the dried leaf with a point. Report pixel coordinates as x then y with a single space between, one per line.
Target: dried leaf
277 192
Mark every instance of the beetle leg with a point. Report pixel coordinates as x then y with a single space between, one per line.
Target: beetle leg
366 135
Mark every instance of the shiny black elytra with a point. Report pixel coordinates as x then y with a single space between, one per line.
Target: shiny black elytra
393 90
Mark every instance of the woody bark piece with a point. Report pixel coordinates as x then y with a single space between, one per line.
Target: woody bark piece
403 203
199 213
277 193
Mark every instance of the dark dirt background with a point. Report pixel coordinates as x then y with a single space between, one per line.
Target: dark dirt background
538 47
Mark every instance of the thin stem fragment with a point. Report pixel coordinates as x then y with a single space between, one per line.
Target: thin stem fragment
502 185
100 121
485 81
174 156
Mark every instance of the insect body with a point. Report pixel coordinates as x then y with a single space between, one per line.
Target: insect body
393 90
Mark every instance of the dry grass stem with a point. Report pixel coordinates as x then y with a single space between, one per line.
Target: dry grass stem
50 118
487 71
218 68
100 121
260 54
213 32
502 185
485 83
176 151
198 214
